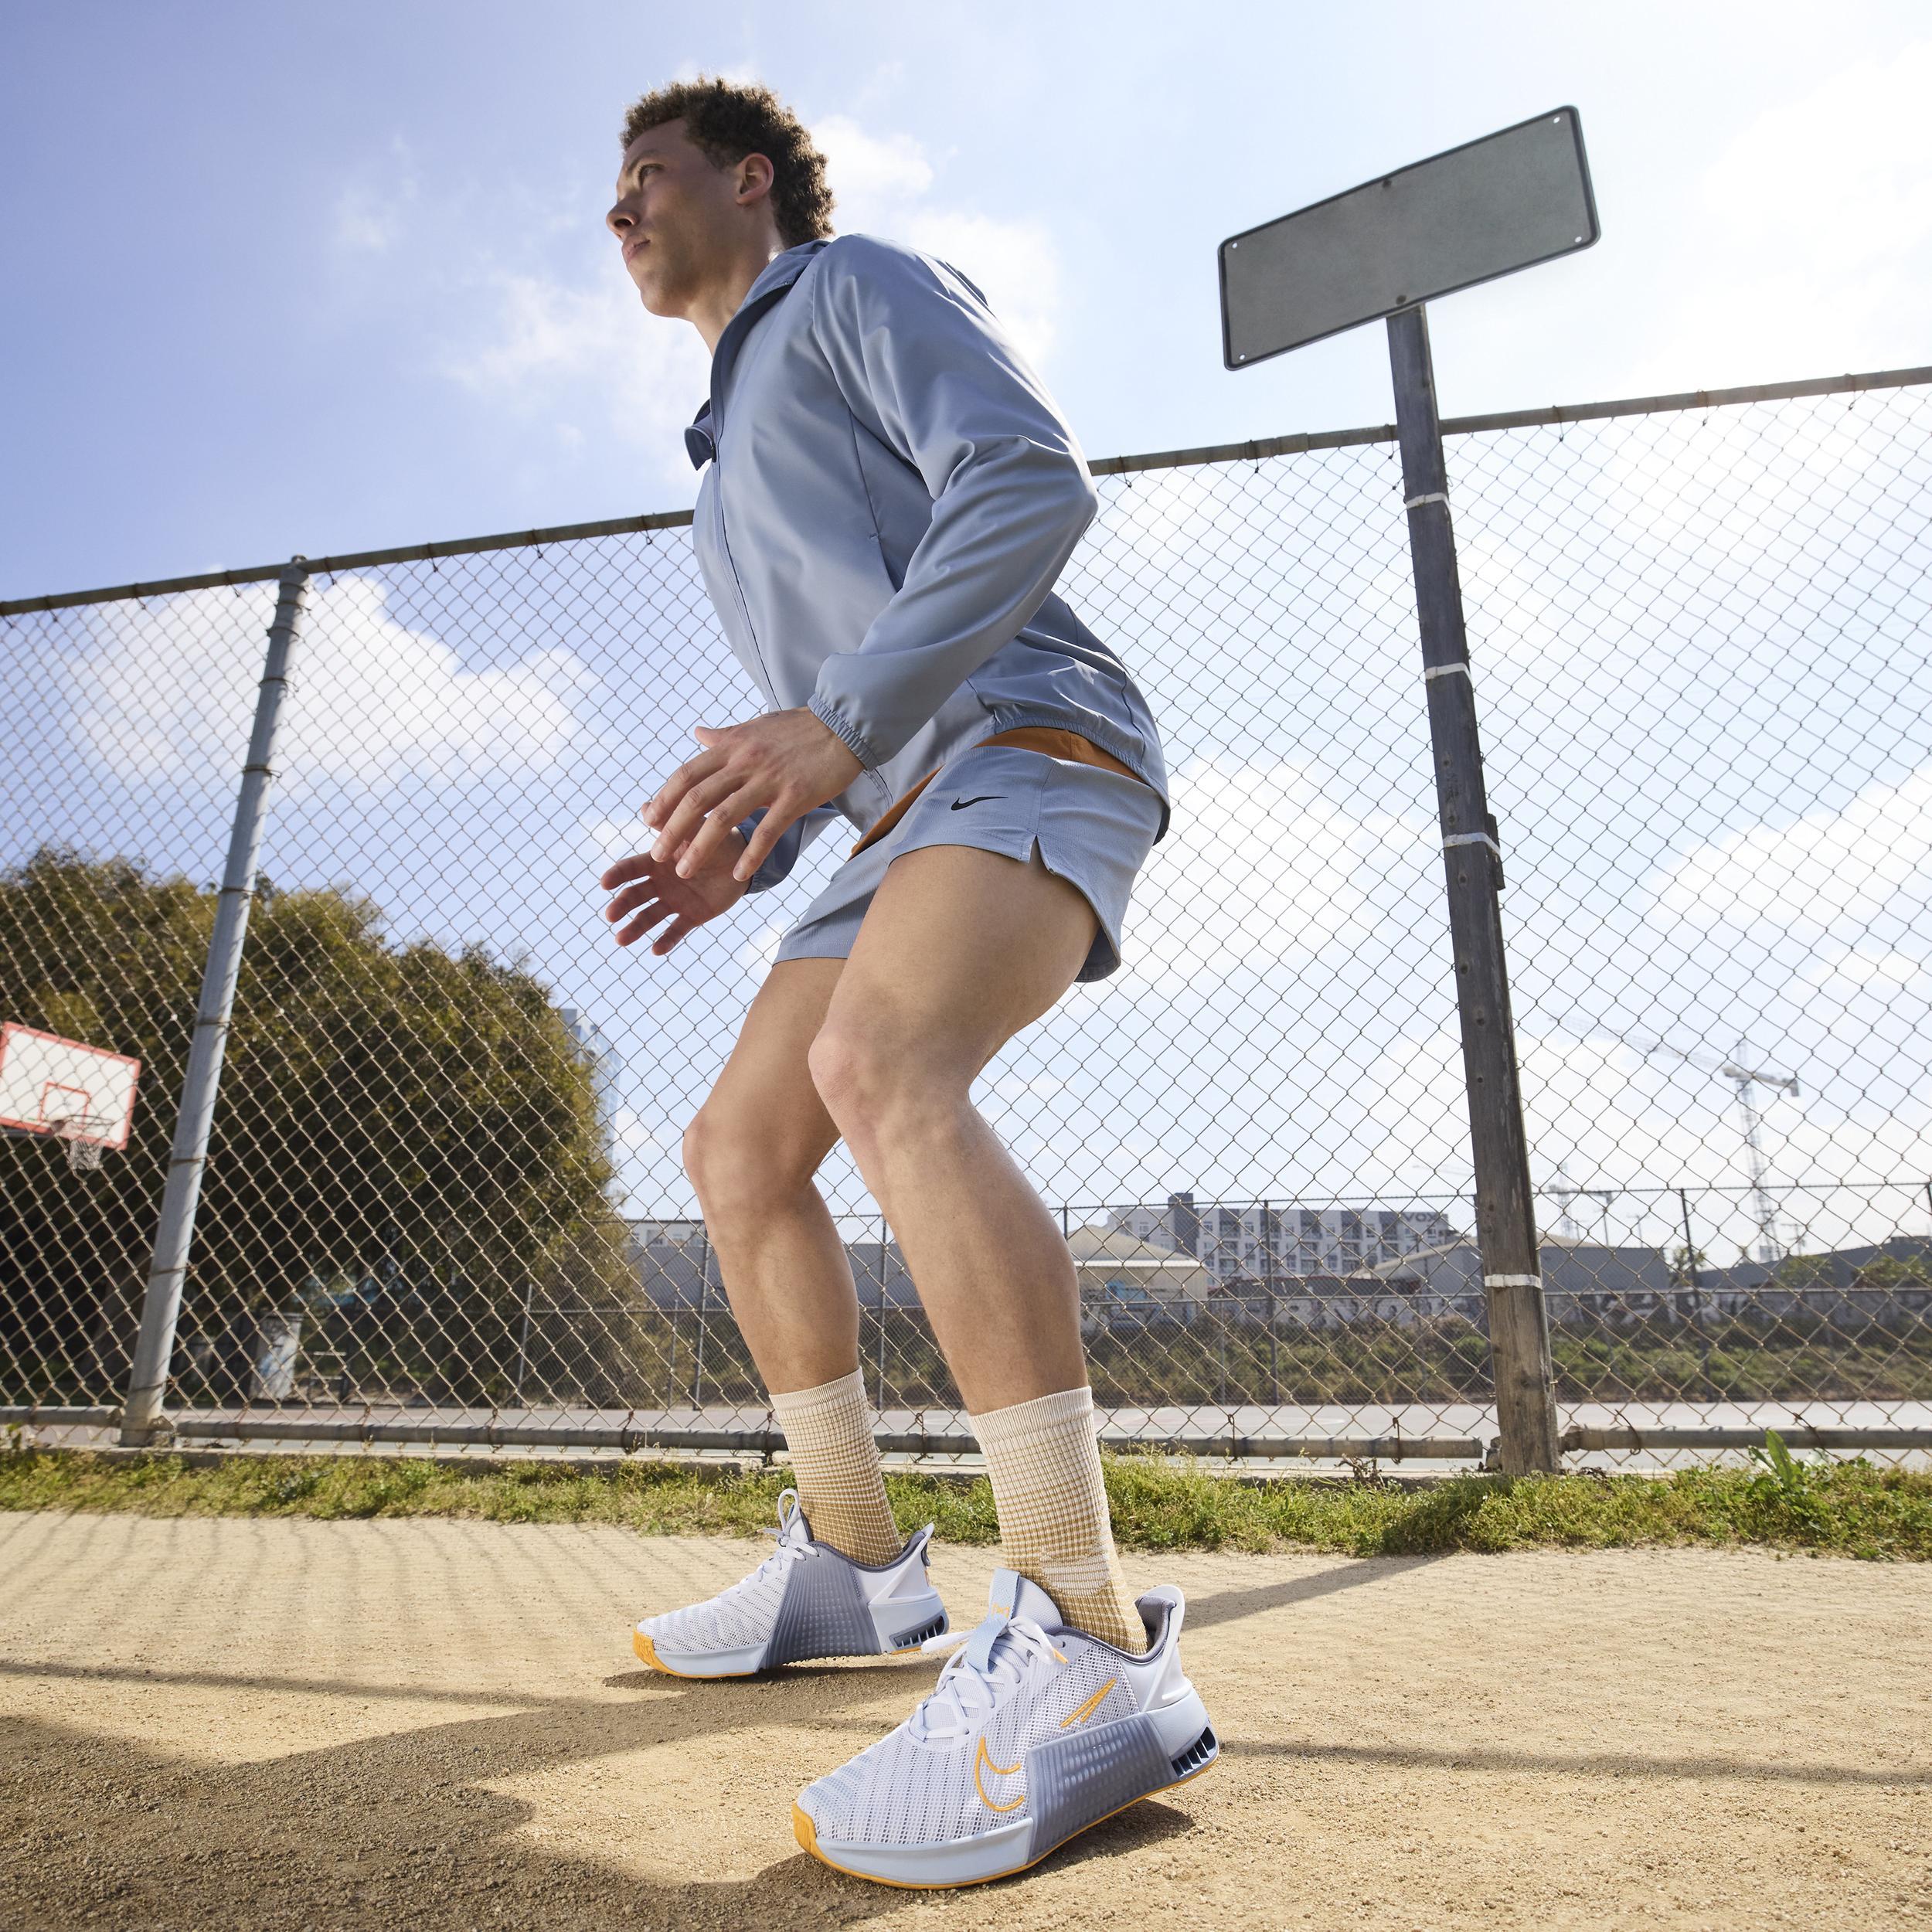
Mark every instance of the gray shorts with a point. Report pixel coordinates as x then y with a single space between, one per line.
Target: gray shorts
1093 827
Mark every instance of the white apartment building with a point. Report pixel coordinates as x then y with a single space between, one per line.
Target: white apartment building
1286 1239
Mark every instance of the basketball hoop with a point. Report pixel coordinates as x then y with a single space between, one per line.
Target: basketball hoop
81 1133
65 1091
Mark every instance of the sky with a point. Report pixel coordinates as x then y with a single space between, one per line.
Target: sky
275 288
286 290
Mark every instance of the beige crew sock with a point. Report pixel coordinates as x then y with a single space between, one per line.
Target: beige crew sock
828 1430
1045 1466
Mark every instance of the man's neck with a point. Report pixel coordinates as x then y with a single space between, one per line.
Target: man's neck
714 310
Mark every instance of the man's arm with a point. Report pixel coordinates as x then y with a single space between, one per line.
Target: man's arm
922 363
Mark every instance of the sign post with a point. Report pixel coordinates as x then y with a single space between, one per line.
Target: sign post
1472 864
1514 199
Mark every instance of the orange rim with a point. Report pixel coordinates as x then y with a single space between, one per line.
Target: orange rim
806 1833
646 1651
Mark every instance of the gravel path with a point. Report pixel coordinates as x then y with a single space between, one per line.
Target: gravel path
412 1724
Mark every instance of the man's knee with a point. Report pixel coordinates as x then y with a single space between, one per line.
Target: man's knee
735 1162
868 1075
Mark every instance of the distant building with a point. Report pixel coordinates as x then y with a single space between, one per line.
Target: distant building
674 1263
602 1058
1339 1301
1134 1270
1127 1282
1886 1282
1262 1238
1583 1280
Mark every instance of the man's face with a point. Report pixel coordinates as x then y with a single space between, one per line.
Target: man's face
675 217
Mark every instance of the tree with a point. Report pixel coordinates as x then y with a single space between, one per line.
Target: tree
405 1138
1687 1265
1912 1270
1804 1272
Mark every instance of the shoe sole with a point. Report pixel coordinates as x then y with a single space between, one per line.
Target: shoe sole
806 1833
647 1653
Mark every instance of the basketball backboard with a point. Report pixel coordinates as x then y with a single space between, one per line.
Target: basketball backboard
49 1085
1515 198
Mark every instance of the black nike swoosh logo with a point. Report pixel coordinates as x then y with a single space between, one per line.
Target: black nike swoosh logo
960 805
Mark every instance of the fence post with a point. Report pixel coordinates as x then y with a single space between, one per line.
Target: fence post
879 1341
1472 860
167 1273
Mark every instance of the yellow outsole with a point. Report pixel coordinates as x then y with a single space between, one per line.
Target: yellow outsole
642 1645
806 1833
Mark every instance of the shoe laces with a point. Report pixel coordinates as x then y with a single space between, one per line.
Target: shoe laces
968 1692
787 1552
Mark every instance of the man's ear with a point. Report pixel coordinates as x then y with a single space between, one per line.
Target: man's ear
755 171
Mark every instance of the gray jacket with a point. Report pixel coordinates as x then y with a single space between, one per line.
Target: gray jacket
891 495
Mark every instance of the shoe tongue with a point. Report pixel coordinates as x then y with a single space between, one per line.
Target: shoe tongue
1014 1595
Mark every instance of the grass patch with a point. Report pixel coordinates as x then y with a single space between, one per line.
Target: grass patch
1850 1508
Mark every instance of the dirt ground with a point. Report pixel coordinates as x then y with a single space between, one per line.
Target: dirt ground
411 1724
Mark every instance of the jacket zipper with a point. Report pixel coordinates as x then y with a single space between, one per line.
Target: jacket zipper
724 541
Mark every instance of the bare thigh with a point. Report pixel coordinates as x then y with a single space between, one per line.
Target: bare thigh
959 950
763 1120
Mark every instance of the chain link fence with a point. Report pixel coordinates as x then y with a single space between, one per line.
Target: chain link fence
444 1194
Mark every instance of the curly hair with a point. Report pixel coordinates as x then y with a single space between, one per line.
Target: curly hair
727 120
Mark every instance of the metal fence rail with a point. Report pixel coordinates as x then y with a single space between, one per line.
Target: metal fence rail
443 1198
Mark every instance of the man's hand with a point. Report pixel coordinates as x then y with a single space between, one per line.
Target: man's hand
654 892
786 761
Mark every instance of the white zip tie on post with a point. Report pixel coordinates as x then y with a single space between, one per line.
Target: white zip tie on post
1460 669
1428 496
1512 1281
1473 839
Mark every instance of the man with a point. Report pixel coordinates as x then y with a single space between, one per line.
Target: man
887 496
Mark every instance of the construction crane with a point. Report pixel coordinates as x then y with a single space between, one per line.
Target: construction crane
1566 1191
1770 1248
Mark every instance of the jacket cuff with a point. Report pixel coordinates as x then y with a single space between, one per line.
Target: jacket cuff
843 730
773 869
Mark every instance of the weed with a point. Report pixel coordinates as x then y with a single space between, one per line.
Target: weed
1159 1503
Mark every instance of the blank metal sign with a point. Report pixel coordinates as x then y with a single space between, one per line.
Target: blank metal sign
1481 210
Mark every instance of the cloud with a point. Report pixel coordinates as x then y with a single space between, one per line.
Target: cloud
1261 864
372 211
1825 873
610 839
577 342
870 170
548 341
1814 239
633 1136
167 694
1605 1115
883 184
1863 969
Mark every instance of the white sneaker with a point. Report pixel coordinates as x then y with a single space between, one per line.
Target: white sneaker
804 1600
1033 1733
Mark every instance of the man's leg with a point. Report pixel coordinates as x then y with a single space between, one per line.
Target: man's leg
960 949
751 1151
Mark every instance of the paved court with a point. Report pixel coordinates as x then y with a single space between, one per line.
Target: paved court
409 1724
